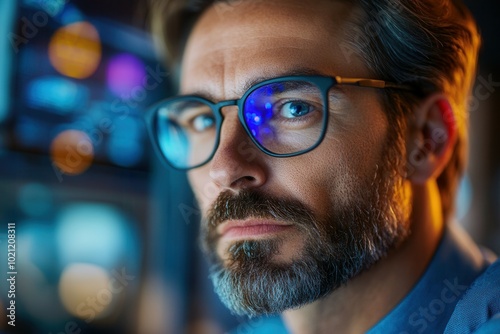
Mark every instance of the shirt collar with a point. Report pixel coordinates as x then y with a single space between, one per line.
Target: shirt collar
429 305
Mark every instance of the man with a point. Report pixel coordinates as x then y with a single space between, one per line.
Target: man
324 142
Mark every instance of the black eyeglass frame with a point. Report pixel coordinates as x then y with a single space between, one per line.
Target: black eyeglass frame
324 83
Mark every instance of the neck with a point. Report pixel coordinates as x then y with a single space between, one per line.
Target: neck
367 298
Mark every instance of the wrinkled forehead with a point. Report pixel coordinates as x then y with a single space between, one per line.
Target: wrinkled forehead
235 41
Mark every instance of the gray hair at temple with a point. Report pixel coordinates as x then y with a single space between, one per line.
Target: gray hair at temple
431 45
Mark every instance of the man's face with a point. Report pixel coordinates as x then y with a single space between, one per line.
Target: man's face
302 226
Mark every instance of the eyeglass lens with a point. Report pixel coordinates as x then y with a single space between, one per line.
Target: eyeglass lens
282 117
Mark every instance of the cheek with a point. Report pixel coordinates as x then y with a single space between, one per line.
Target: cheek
356 151
354 170
312 179
332 175
204 190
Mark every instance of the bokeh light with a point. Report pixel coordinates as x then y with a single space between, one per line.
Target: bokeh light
75 50
71 14
124 73
92 233
51 7
56 94
84 290
72 152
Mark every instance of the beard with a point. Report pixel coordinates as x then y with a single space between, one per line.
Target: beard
350 239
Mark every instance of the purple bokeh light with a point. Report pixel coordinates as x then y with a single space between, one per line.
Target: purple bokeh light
124 74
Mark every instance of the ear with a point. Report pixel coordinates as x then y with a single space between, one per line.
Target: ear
432 137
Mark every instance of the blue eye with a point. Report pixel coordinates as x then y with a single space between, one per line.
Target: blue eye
203 122
295 109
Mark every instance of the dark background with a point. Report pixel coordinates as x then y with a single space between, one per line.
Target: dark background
111 212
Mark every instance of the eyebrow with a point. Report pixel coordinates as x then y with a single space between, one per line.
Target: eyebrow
294 72
253 81
188 104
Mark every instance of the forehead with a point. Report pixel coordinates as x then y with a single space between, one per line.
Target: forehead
241 41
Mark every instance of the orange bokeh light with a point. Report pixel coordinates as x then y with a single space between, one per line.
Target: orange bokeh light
72 152
84 290
75 50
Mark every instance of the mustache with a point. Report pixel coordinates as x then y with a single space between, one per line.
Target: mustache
249 203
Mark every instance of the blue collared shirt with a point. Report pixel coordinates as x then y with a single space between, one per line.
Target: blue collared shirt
433 303
459 292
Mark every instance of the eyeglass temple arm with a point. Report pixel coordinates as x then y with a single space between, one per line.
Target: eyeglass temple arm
370 83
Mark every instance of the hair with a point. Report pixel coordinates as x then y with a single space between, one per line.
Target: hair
431 45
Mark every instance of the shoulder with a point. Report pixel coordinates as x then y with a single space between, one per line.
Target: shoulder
479 309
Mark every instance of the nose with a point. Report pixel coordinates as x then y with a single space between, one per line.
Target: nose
237 163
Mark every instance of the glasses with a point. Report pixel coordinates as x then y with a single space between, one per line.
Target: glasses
284 117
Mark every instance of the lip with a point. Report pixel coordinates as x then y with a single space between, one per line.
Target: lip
249 228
